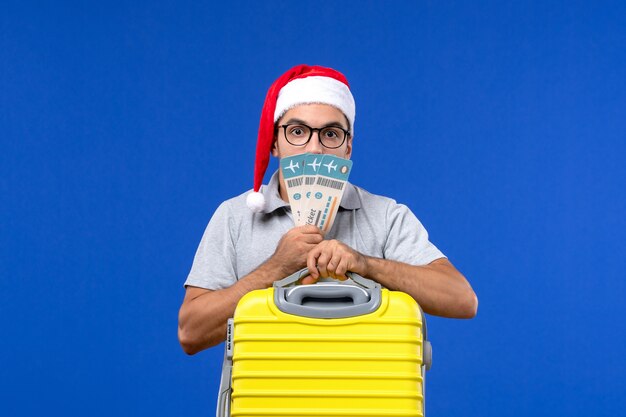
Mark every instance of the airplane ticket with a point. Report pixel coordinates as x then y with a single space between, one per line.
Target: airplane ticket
312 164
292 168
325 192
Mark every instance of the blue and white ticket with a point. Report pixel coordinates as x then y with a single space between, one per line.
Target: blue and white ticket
312 164
325 192
315 184
292 168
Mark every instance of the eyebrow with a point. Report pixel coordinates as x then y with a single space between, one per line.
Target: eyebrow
302 122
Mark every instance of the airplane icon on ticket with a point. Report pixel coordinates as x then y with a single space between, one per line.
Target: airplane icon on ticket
314 164
293 167
331 166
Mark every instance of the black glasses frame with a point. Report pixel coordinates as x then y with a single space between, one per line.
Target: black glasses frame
346 134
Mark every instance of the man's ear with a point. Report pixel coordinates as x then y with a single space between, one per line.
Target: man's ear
349 147
275 148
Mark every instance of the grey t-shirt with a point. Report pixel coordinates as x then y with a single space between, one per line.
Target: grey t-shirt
236 240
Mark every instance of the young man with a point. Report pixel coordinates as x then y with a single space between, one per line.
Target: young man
251 240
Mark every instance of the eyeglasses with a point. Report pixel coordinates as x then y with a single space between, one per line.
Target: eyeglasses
300 134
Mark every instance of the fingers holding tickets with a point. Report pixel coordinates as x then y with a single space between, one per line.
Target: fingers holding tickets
293 248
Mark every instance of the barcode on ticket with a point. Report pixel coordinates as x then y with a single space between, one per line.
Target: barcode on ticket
294 182
326 182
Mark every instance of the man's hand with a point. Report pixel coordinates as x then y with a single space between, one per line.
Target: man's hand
332 258
291 253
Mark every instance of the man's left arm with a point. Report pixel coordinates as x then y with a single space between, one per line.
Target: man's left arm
438 287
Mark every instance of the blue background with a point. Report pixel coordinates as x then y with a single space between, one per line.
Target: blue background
124 124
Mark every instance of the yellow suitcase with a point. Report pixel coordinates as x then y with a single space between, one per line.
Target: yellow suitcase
349 349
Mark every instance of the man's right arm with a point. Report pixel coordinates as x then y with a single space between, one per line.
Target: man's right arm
203 314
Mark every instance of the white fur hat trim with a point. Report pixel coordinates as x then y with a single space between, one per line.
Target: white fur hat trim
316 90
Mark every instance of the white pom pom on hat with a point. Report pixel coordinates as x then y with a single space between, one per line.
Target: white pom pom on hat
255 201
302 84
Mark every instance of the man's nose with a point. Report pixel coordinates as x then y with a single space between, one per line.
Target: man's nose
314 145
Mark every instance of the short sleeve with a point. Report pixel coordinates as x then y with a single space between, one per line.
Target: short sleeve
407 239
214 265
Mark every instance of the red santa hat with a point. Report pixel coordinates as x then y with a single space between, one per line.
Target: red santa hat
302 84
